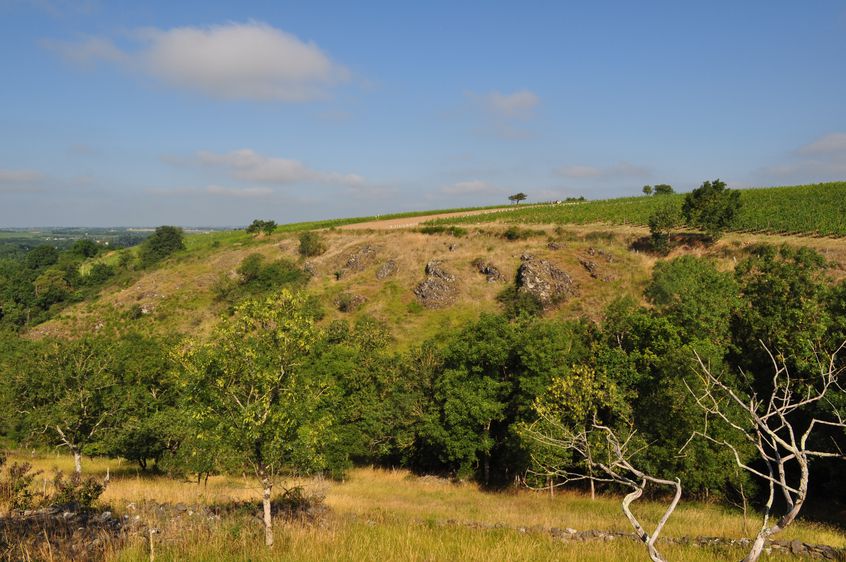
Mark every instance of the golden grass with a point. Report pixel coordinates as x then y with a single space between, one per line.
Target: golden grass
383 515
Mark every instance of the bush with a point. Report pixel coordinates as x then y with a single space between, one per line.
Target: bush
265 227
76 491
456 231
711 207
661 222
311 244
516 303
16 485
516 233
165 241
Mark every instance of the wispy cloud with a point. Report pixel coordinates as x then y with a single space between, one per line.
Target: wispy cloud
233 61
247 164
238 192
20 181
615 171
471 187
519 104
822 159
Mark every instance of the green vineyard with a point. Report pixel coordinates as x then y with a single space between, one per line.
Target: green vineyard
809 209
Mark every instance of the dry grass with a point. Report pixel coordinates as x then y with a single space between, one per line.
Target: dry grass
393 515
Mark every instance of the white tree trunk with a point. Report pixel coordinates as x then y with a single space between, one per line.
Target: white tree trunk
268 517
77 461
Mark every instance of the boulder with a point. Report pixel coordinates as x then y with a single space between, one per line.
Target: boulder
541 278
386 270
438 289
489 270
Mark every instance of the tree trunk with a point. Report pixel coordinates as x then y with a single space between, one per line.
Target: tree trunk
77 461
268 518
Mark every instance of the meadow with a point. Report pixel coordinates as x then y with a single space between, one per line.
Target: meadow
377 514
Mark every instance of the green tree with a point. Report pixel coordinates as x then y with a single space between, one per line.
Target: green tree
163 242
696 297
247 388
662 221
63 393
41 257
264 226
711 207
647 190
517 197
663 189
311 244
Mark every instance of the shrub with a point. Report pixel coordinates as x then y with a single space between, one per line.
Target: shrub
456 231
516 233
76 491
311 244
516 303
261 226
661 222
165 241
16 486
711 207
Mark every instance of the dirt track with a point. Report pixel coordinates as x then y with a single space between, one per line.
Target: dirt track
410 222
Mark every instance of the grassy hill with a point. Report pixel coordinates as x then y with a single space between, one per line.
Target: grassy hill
181 294
818 209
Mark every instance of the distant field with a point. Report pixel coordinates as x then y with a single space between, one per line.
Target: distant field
803 209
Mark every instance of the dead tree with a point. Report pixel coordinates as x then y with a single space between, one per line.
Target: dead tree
609 461
773 425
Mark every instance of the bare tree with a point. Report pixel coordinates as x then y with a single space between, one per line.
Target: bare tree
608 459
778 427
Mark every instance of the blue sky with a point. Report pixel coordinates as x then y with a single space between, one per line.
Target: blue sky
212 113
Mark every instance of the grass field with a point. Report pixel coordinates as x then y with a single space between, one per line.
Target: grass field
392 515
813 209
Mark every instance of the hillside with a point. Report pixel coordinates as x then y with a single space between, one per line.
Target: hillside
179 295
818 209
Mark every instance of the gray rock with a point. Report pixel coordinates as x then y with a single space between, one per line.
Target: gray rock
541 278
438 289
386 270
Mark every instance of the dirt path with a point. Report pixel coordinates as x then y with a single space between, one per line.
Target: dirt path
410 222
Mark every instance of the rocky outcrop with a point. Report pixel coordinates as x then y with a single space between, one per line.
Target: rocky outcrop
593 268
387 269
438 289
545 281
489 270
357 260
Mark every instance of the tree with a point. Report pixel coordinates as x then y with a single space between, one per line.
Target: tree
246 389
661 222
663 189
264 226
63 393
711 207
162 243
781 424
609 459
517 197
311 245
647 190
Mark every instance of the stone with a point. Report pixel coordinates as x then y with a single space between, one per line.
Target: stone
386 270
489 270
543 279
438 289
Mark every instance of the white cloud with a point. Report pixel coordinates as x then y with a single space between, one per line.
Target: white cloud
823 159
518 104
239 192
832 143
619 170
470 187
233 61
246 164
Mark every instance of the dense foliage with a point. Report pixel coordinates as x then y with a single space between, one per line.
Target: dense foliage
277 390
